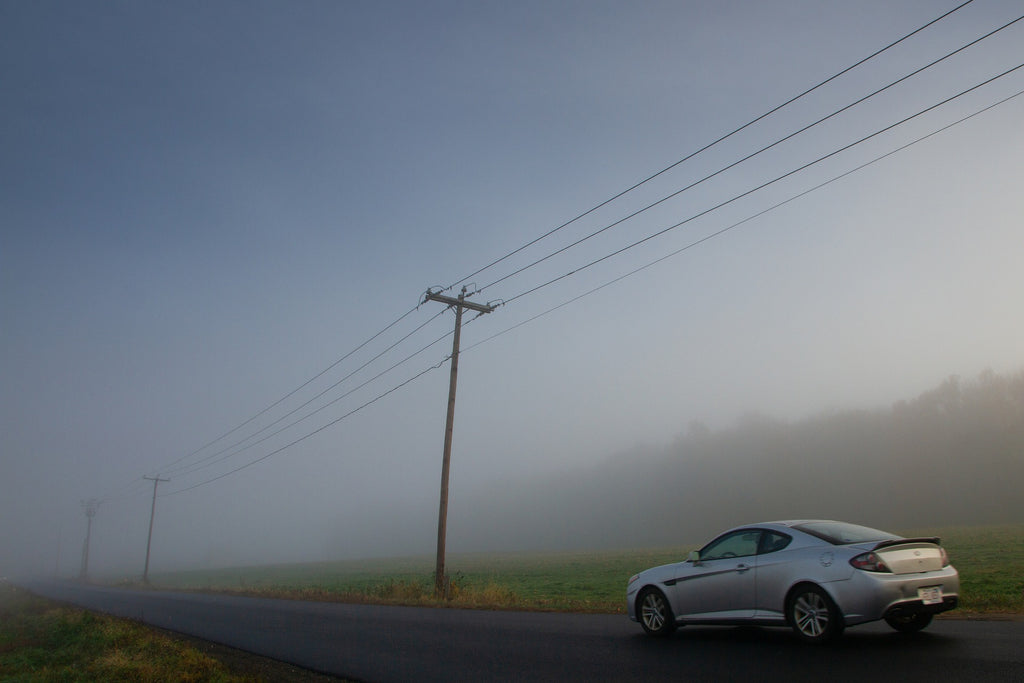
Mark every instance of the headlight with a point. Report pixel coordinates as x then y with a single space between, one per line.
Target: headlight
633 579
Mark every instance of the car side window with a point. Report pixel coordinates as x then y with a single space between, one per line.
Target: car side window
735 544
773 541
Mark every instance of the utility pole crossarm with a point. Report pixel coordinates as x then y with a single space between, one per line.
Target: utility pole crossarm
451 301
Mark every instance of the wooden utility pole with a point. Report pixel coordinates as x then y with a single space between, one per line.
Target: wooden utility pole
56 565
440 581
152 513
90 506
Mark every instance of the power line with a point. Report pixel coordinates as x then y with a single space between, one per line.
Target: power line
291 393
264 411
171 466
733 226
709 145
333 422
762 186
193 467
329 424
321 408
689 246
111 497
303 438
751 155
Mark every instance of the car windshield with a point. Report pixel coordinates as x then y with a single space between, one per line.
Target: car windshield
841 533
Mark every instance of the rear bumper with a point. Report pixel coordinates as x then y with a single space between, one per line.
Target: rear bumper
904 609
869 596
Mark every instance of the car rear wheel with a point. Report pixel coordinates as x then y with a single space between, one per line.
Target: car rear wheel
655 613
813 615
909 623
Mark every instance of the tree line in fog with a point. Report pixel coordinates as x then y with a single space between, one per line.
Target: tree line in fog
952 456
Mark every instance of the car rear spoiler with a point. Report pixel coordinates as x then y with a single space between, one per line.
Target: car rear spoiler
903 541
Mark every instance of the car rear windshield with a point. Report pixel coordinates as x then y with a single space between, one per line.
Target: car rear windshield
841 533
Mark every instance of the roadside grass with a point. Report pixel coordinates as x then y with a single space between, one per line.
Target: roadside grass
565 581
990 561
43 641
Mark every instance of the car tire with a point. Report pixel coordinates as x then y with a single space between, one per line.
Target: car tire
655 613
909 623
813 615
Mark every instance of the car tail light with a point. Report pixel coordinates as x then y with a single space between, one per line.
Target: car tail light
945 557
870 562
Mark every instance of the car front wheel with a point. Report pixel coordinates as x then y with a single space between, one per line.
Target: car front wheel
655 613
909 623
813 615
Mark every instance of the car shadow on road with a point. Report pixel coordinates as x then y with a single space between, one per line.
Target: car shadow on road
752 638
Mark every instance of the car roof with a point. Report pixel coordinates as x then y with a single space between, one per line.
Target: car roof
783 524
793 526
786 523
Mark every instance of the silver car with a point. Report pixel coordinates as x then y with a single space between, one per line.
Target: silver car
813 575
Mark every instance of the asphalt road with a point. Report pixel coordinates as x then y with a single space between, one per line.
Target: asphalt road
375 643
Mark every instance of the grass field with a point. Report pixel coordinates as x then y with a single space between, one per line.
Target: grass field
990 561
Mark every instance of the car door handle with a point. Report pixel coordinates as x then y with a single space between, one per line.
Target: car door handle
740 568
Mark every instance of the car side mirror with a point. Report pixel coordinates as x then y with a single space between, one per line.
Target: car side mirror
694 557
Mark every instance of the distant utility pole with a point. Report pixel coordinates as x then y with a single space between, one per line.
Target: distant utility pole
152 513
440 584
90 506
56 565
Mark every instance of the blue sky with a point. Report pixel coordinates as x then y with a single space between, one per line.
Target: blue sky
203 205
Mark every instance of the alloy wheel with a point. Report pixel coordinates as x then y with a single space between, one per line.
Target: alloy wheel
811 615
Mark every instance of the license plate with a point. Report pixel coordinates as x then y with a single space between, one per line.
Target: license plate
931 595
